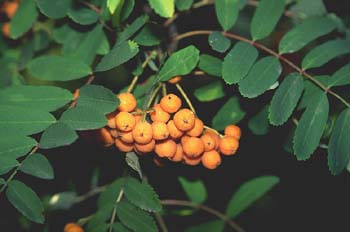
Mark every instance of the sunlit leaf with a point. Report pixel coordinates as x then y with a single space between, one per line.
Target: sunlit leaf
164 8
195 190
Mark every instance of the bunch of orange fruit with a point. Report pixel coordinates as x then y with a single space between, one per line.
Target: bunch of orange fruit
9 8
172 132
72 227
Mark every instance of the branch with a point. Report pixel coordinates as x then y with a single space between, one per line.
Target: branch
207 209
269 51
17 169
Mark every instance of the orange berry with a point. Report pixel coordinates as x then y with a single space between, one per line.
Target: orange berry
10 8
124 147
114 133
175 80
184 119
178 154
191 161
105 137
138 115
197 129
124 121
159 115
166 148
209 142
170 103
6 29
145 148
228 145
142 132
173 131
234 131
126 137
127 102
193 147
73 227
184 139
211 159
215 136
160 130
111 120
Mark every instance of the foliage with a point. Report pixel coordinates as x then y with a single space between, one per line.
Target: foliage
53 50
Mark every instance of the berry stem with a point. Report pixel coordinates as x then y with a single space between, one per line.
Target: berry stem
183 93
17 169
164 90
205 208
212 129
269 51
136 78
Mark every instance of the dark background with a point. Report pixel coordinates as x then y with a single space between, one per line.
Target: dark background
308 197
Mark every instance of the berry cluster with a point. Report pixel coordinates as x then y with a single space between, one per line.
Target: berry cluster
72 227
9 9
174 133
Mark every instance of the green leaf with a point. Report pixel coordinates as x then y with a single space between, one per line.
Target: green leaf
57 135
227 12
98 98
181 62
48 67
83 118
113 4
142 195
238 62
266 18
133 161
16 146
304 33
53 9
83 16
311 126
183 5
310 90
132 29
46 98
88 46
146 37
64 200
261 77
248 193
128 6
104 47
25 201
285 99
341 77
210 92
229 113
110 194
164 8
195 190
7 163
37 165
218 42
119 54
307 8
323 53
215 225
339 146
210 65
259 123
135 218
23 19
2 181
23 121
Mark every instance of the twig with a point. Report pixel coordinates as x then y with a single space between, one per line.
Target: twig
207 209
164 90
89 194
114 214
17 169
91 6
183 93
161 222
269 51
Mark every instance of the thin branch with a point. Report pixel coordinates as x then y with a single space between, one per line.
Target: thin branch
114 213
89 194
187 99
269 51
161 222
17 169
207 209
91 6
136 78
